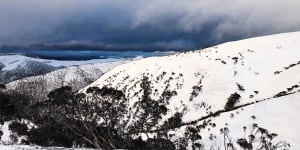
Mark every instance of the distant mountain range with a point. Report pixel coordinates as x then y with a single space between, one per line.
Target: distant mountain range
14 67
81 46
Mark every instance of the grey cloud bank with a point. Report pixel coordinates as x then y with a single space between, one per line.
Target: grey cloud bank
141 24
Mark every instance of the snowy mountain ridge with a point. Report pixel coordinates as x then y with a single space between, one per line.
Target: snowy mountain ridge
261 73
14 67
12 61
75 76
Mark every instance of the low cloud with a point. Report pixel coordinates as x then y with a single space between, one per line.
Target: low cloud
143 24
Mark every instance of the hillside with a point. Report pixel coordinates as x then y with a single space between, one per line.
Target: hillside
75 76
14 67
239 87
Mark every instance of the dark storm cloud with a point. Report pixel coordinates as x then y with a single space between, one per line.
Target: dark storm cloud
142 24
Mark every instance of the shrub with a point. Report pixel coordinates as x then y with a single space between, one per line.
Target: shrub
240 87
1 133
243 143
235 59
61 95
231 101
19 128
13 105
160 143
53 134
174 121
138 144
282 93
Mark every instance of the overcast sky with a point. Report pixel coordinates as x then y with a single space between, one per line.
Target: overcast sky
165 24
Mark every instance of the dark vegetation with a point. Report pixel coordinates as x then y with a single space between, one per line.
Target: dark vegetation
69 119
231 101
100 119
196 88
287 67
19 128
255 137
240 87
292 65
235 59
151 110
222 61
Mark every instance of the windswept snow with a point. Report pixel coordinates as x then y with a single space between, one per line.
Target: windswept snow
257 69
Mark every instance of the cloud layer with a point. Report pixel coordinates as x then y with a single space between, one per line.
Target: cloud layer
143 24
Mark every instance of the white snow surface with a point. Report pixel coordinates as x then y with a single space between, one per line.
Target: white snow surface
268 65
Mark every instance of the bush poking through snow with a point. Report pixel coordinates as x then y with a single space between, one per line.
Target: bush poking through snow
256 138
1 133
261 139
19 128
240 87
173 121
232 100
159 143
13 105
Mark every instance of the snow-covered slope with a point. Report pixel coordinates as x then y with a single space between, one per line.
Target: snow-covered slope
264 71
13 67
75 76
